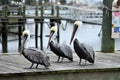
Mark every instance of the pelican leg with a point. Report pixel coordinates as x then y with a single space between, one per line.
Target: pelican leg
62 59
58 58
85 62
37 65
31 66
80 62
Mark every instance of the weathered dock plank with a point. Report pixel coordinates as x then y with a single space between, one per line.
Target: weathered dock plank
14 63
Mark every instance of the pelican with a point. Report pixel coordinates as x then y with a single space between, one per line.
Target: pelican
83 51
34 55
61 50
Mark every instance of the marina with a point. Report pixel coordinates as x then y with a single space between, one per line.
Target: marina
96 57
30 17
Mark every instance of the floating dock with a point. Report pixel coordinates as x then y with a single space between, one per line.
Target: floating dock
12 65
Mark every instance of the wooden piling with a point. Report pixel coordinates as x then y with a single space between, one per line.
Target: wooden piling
36 26
108 44
21 23
19 11
5 11
4 35
41 30
24 8
41 35
36 33
19 37
58 25
52 10
4 29
19 28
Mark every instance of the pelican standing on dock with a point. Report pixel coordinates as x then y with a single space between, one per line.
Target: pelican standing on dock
83 51
61 50
34 55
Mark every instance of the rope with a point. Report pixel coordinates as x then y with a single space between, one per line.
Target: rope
106 7
64 28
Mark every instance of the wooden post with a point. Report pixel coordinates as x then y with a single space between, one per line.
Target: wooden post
36 26
58 25
24 8
52 10
19 36
58 30
36 10
21 23
19 11
41 30
42 11
23 14
57 11
108 43
4 35
5 11
4 29
52 22
41 34
36 33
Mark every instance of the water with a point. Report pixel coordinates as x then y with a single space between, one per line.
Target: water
69 76
87 34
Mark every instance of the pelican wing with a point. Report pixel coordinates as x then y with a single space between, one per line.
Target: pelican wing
34 55
81 46
57 49
89 50
66 50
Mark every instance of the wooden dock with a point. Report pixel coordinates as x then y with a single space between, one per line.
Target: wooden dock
14 64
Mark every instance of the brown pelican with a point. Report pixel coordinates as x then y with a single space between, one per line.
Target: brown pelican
83 51
34 55
61 50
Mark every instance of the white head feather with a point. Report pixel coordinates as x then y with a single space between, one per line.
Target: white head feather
26 32
79 23
53 28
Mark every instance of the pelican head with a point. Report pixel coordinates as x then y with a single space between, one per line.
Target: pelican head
26 34
76 25
52 31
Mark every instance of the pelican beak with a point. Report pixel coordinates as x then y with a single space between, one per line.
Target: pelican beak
73 33
51 34
24 39
21 45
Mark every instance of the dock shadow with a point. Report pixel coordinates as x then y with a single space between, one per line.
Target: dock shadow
83 65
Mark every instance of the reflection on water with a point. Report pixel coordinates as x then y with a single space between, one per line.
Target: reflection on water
70 76
88 34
